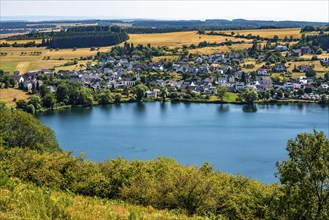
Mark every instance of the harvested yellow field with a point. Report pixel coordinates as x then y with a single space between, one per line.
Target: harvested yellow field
320 56
177 39
37 41
23 59
65 53
18 50
220 49
46 64
71 54
253 62
317 65
83 66
8 95
22 66
281 33
3 36
297 75
171 58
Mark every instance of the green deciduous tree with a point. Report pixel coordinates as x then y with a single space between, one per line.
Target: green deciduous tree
20 129
117 98
62 93
49 100
248 96
30 109
164 93
140 91
221 92
105 97
305 177
310 73
21 104
35 100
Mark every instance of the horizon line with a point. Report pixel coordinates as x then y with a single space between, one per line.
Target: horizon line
25 18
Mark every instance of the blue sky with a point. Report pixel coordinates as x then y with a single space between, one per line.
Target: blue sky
315 10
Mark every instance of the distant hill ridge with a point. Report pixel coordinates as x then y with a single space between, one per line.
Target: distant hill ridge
208 23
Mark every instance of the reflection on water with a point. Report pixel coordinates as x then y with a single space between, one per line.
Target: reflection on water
117 105
163 105
249 108
106 107
223 108
188 104
300 106
139 107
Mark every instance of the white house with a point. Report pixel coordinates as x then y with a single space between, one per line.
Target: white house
262 72
152 94
233 55
199 60
281 48
158 67
239 86
325 61
288 86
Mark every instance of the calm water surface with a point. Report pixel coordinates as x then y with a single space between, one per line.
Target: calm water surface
231 139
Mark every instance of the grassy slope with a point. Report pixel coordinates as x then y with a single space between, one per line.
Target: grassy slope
26 201
7 96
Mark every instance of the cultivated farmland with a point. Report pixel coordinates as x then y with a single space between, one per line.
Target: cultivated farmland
281 33
177 39
34 58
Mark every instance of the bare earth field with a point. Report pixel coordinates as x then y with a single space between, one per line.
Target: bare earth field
7 96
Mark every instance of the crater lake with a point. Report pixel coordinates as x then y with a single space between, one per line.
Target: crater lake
233 138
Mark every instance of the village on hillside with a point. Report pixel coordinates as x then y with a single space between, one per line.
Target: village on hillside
214 70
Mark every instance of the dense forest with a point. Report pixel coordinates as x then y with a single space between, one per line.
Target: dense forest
223 24
314 41
29 152
128 50
81 36
310 28
89 36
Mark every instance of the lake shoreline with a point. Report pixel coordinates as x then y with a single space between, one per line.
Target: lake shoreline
186 101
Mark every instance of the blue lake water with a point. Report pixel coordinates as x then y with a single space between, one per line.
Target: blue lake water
226 136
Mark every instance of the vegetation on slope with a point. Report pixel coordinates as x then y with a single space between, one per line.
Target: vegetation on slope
161 183
26 201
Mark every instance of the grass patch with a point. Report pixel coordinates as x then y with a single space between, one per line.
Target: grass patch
231 97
